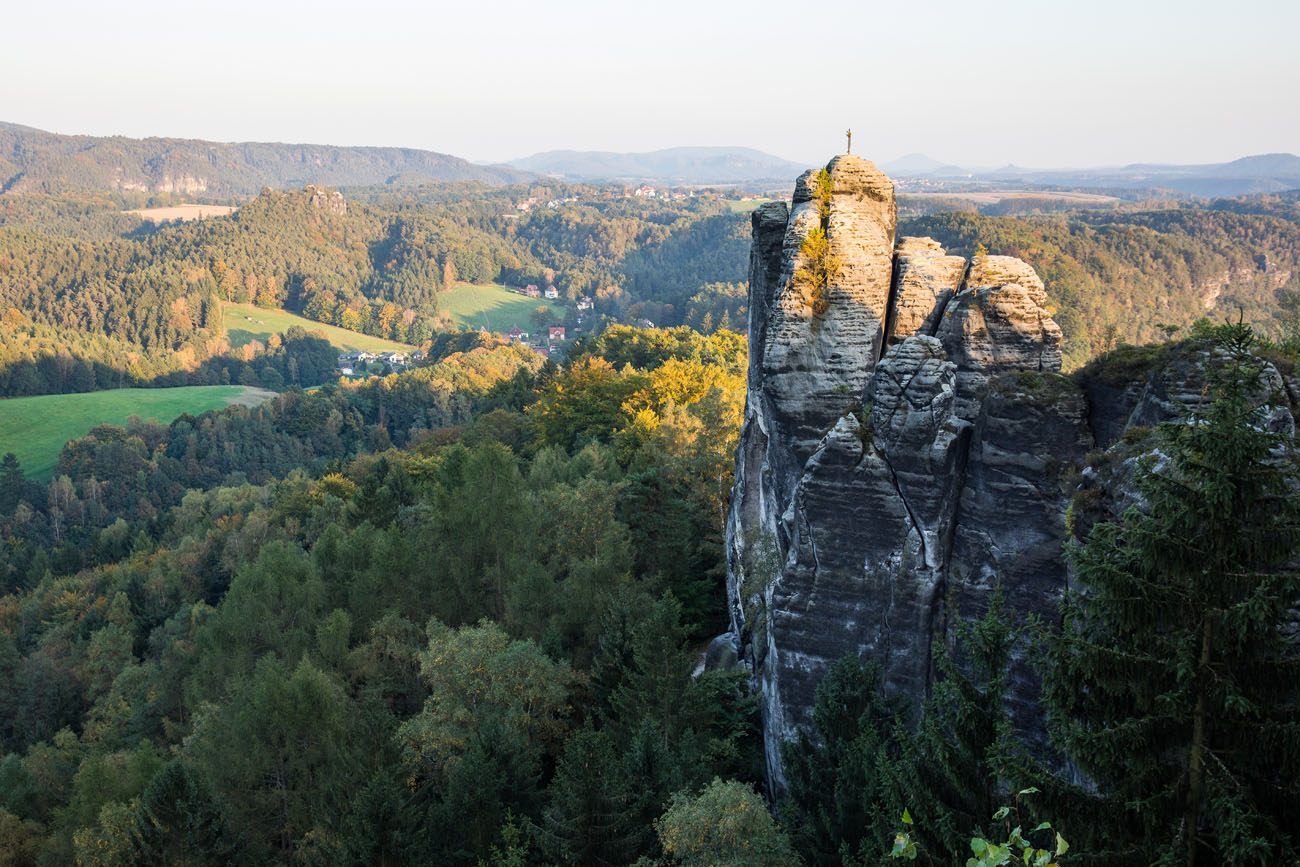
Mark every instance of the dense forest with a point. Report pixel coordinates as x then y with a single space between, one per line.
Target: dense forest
454 616
430 654
457 614
85 287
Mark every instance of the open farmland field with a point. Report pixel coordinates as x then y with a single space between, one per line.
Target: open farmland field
492 306
185 213
992 197
36 428
744 206
246 323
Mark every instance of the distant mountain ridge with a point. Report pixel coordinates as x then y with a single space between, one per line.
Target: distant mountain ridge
33 160
1259 173
686 165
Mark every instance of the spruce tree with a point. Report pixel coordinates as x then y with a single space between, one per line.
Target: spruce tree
181 820
12 483
1175 681
835 789
867 760
590 817
962 760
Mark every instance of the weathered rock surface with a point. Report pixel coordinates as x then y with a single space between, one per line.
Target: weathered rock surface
1032 431
814 367
869 489
925 279
910 447
996 323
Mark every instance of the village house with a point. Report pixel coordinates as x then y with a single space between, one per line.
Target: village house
585 303
644 191
517 334
532 291
555 334
552 292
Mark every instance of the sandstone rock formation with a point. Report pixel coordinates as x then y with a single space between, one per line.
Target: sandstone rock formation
910 447
892 462
924 281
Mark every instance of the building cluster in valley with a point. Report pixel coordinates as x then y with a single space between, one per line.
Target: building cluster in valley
643 191
532 291
361 363
547 342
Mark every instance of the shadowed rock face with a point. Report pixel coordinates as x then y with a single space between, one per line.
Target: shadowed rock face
908 448
875 489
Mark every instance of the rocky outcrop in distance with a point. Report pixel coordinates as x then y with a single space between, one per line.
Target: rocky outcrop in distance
907 448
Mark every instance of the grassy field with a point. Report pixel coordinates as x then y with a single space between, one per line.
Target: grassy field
492 306
184 213
245 323
36 428
741 206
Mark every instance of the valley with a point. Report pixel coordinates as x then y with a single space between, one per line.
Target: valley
728 434
771 514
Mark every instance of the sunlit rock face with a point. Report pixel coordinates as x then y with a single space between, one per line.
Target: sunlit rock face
905 421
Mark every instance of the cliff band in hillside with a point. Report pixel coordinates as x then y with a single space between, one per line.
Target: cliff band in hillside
904 414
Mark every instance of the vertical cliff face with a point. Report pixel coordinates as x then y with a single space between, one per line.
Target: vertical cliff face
904 424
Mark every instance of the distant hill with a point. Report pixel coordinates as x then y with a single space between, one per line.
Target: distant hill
920 165
32 160
1261 173
685 165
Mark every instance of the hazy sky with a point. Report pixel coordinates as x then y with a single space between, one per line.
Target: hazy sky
1047 83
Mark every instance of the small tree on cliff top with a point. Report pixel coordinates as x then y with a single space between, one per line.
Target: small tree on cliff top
1176 679
820 265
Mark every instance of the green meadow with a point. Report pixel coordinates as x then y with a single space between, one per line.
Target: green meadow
492 306
246 323
36 428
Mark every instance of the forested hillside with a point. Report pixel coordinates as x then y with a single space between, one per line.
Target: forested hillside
472 593
1124 277
330 650
85 288
35 161
91 297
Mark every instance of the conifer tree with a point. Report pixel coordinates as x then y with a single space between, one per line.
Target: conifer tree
181 820
12 483
832 773
867 761
962 760
1175 683
589 819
